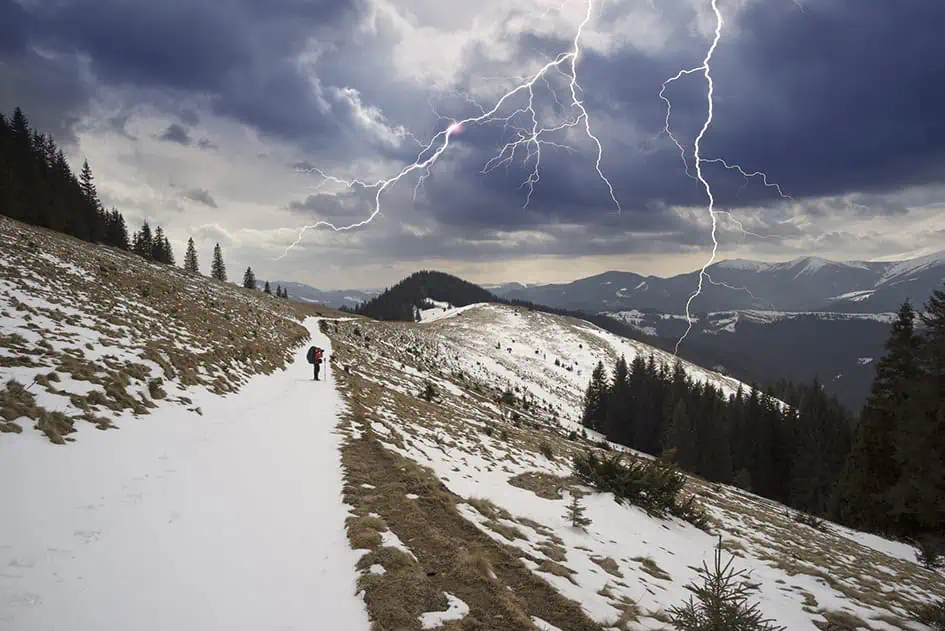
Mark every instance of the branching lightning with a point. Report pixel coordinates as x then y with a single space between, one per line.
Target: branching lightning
530 138
706 70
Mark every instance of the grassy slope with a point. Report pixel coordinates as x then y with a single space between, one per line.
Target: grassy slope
414 467
87 331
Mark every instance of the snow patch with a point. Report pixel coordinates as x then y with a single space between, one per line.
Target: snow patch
457 611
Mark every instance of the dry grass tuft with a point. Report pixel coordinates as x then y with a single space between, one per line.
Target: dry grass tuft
650 567
544 485
608 565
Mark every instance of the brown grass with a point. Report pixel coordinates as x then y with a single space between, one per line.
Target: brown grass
134 306
544 485
453 554
608 565
649 566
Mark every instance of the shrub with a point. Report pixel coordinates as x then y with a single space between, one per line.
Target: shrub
932 614
654 485
575 513
429 392
931 553
546 450
722 602
810 520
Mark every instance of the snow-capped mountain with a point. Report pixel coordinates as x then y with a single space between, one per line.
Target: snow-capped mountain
803 284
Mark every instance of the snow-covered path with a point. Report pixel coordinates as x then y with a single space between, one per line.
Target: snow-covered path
233 520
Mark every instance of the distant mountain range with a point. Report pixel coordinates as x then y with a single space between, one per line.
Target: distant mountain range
804 284
336 298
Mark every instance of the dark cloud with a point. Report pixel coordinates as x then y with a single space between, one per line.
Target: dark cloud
840 103
844 97
176 133
200 195
238 52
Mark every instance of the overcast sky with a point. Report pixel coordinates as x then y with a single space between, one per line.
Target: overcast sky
209 119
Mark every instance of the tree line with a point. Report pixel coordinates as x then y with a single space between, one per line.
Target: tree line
38 187
883 471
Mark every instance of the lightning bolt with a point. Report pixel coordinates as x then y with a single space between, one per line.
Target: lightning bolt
530 138
734 288
706 69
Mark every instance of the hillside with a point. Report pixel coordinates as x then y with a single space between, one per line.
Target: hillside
229 485
403 300
90 332
488 498
803 284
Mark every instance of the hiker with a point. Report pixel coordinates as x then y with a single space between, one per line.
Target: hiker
314 357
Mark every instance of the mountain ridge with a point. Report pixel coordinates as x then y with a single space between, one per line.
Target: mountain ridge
803 284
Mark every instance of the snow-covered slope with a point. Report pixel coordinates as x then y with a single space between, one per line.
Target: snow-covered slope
232 520
505 468
548 356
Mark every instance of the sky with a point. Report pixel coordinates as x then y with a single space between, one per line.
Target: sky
219 120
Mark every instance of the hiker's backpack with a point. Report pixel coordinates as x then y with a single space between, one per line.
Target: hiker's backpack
310 356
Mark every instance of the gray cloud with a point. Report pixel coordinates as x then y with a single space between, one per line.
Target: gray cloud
176 133
841 104
200 195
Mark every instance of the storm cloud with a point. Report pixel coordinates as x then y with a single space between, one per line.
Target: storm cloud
840 103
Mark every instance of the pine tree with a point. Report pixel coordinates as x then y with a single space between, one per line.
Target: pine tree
575 513
144 242
722 602
267 289
917 497
190 258
681 436
218 268
88 185
618 424
157 246
285 293
249 279
595 399
169 253
279 291
871 469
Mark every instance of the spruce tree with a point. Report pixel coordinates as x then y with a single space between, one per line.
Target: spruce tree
249 279
157 246
871 469
575 513
190 258
218 268
681 436
278 291
917 497
87 182
169 252
267 289
595 399
618 424
144 242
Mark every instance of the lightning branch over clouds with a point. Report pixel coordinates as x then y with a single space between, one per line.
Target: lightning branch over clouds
529 138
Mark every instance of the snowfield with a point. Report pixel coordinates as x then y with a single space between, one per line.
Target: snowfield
232 520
